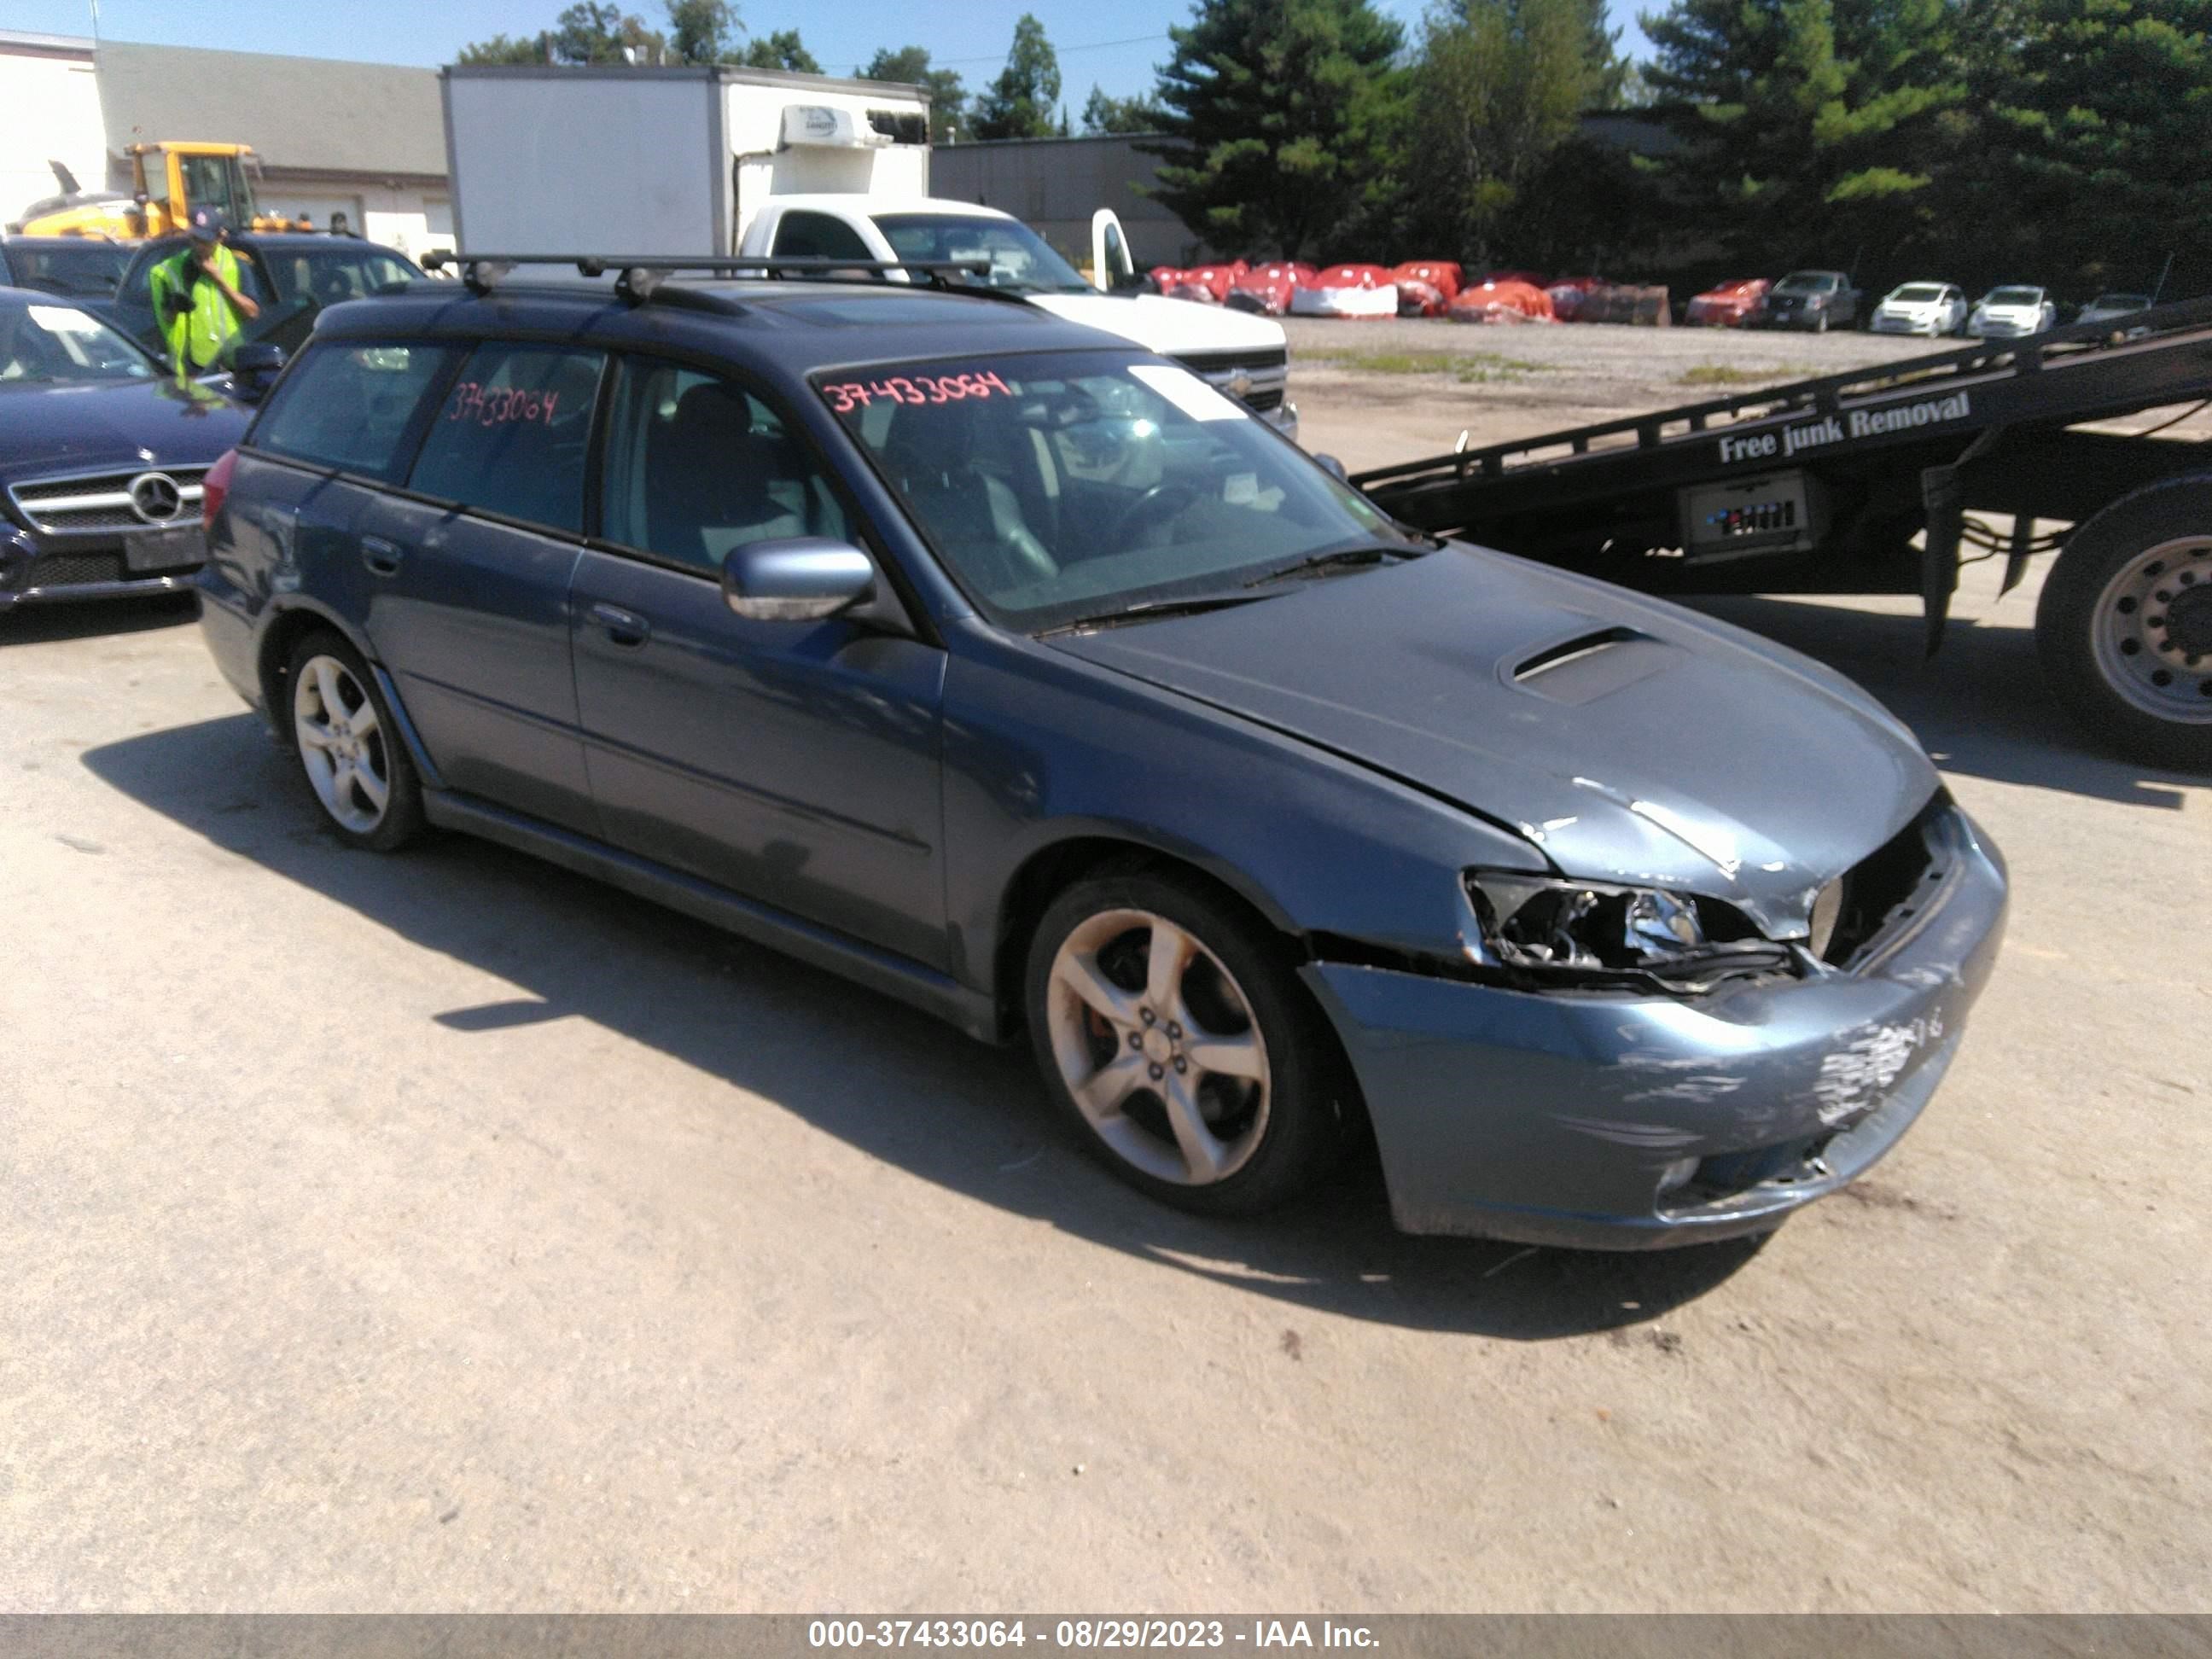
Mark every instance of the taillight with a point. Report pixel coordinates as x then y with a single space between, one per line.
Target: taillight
217 485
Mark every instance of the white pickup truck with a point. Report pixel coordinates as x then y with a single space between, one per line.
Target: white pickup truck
1244 355
724 162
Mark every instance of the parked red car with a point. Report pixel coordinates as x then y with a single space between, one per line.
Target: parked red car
1726 305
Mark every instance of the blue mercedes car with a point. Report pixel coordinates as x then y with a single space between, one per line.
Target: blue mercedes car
1020 674
101 458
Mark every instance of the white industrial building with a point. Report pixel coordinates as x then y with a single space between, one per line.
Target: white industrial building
367 140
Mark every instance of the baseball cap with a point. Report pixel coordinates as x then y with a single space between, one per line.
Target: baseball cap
207 224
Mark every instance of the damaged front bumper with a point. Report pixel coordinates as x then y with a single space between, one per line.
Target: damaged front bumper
1632 1122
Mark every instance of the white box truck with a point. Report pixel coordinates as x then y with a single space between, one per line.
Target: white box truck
726 163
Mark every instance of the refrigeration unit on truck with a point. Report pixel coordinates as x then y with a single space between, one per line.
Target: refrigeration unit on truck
1872 482
728 162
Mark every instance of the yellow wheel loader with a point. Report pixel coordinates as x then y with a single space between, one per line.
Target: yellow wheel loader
170 178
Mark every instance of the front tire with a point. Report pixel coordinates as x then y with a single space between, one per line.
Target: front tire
348 746
1172 1032
2124 624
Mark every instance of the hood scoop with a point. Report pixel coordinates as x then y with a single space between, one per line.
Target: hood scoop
1584 667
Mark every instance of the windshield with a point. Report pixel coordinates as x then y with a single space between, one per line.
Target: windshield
1063 486
46 345
87 270
1808 282
1917 293
1020 257
330 275
2120 302
2014 296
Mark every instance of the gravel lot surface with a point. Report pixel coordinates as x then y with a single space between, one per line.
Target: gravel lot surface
445 1231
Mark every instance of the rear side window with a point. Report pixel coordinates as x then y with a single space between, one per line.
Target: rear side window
512 434
352 407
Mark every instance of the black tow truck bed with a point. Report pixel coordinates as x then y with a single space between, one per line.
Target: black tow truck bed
1826 485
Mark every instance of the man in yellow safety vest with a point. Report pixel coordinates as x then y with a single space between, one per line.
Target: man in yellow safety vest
199 301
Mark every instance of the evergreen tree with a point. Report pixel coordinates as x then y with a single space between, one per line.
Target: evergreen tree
1019 104
948 97
1279 113
1812 128
2107 116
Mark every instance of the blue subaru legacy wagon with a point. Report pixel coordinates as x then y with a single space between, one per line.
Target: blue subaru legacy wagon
1018 673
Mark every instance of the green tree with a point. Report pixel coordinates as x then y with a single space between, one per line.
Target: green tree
1279 114
1019 104
782 49
701 31
1812 127
501 49
586 32
1139 114
2103 119
1499 85
948 97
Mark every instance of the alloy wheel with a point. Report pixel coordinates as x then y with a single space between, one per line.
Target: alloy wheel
1158 1047
341 744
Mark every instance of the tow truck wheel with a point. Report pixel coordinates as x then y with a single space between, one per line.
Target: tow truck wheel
2124 624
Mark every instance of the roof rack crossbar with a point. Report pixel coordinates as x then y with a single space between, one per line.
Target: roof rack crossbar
640 274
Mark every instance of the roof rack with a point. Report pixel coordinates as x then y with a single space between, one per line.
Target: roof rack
638 275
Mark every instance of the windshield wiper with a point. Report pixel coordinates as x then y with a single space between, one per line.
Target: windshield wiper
1152 610
1365 553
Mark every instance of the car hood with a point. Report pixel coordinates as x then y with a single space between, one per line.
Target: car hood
1174 328
73 429
1629 739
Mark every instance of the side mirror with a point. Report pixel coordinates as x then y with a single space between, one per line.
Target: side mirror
1334 467
254 368
799 579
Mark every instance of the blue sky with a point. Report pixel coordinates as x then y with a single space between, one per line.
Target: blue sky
1117 48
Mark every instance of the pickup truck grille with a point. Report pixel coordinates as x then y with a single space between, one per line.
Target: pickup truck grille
1255 379
105 503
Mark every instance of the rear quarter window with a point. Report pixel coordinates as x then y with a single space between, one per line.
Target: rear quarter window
352 406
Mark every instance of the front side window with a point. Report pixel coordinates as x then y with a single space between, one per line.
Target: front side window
514 432
1059 487
696 465
207 183
53 345
351 406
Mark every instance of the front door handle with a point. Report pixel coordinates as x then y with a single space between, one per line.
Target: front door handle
380 555
624 628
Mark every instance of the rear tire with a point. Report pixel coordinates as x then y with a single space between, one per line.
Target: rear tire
348 746
1171 1030
2124 624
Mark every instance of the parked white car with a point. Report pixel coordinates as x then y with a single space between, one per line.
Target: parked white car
2008 313
1930 308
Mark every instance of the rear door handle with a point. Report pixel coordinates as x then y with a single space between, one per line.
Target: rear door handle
624 626
380 555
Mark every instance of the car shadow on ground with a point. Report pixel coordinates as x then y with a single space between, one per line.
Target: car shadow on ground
915 1094
1979 706
45 624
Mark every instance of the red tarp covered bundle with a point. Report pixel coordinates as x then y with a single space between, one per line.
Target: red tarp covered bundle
1348 291
1426 287
1502 302
1267 289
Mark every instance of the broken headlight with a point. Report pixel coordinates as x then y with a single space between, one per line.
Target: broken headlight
1595 933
